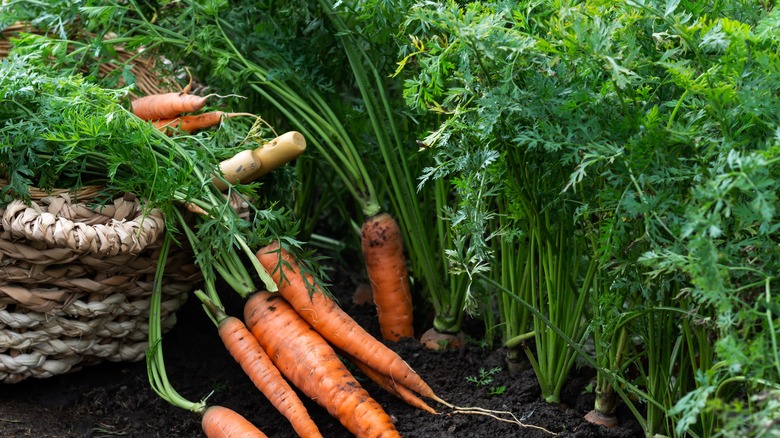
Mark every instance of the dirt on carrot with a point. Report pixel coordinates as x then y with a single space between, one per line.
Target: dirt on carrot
383 252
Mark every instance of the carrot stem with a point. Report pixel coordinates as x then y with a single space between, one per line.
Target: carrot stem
155 364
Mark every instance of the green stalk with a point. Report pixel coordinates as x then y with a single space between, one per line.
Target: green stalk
770 323
155 363
618 382
512 272
609 350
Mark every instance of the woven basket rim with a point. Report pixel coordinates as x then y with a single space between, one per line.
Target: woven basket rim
82 194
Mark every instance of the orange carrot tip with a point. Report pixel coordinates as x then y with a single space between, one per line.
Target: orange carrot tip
222 422
395 388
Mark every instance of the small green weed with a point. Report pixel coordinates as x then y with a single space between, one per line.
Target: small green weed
485 378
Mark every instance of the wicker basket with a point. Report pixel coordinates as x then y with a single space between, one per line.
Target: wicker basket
75 284
75 281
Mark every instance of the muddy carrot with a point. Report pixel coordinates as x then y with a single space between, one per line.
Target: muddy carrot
383 252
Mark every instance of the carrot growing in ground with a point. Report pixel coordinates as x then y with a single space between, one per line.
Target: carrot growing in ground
335 325
245 349
194 122
222 422
307 360
383 252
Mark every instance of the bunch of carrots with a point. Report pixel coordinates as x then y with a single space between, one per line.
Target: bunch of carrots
297 334
166 111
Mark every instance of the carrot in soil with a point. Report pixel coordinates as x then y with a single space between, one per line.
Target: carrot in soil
167 105
245 349
222 422
383 252
335 325
391 386
194 122
307 360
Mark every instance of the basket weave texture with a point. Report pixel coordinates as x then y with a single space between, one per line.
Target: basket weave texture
75 283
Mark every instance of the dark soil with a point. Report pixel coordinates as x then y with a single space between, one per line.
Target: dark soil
115 399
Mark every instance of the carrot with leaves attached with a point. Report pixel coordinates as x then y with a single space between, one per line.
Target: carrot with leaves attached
222 422
307 360
335 325
383 252
245 349
216 421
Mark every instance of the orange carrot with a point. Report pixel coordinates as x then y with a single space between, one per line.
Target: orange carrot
383 252
307 360
167 105
222 422
194 122
390 385
258 366
335 325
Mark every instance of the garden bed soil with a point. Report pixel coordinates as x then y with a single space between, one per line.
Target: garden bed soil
115 399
